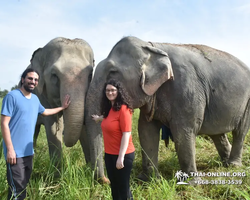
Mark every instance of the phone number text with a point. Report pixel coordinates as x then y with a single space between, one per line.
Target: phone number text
218 182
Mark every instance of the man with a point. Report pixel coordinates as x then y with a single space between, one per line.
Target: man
20 109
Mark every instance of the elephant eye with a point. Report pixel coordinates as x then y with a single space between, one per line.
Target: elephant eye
55 80
113 73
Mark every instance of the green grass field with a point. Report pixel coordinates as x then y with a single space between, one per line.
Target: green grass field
77 182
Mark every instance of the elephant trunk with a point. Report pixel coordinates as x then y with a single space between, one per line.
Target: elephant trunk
93 129
73 122
73 116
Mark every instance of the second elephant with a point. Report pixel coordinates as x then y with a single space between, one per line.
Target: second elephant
192 89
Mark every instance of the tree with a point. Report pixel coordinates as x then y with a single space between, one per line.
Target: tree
3 93
14 87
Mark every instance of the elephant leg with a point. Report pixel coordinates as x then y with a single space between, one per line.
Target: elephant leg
184 140
237 148
37 130
85 144
239 137
54 129
149 140
222 145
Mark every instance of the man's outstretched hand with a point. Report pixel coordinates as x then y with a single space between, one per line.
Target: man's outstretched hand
66 101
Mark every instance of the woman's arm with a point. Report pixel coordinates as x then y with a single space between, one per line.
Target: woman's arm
123 149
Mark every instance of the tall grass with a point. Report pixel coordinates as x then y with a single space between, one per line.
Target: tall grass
76 180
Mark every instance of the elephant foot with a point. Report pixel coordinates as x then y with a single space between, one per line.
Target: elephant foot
143 177
225 162
56 175
234 163
104 180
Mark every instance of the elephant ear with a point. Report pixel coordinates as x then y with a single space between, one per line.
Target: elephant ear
37 63
156 70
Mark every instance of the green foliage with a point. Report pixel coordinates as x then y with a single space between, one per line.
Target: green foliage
3 93
14 87
76 178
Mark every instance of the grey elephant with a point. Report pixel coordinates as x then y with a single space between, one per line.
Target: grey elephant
65 67
192 89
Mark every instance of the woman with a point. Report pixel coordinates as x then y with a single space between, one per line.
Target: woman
116 126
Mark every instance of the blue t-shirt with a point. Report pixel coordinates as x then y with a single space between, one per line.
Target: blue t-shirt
23 113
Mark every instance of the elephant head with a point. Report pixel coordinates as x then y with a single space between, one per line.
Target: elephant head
140 67
65 67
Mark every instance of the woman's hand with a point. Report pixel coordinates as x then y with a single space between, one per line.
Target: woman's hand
119 162
97 118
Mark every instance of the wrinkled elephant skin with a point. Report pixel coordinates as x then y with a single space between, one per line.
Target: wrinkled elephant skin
192 89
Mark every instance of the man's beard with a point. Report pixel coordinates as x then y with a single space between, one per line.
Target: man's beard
26 87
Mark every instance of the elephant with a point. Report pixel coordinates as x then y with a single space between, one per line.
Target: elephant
65 67
192 89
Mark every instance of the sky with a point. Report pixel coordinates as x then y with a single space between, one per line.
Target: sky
26 25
